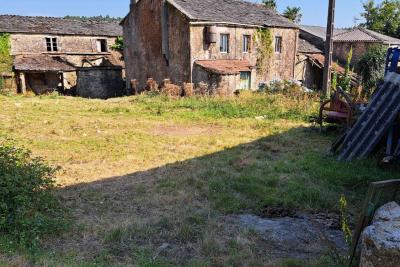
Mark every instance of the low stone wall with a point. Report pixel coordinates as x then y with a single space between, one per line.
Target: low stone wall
381 240
100 82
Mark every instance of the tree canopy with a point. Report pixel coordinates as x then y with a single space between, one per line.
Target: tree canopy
95 18
270 4
294 14
383 17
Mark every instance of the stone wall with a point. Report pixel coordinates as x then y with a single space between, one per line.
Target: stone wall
342 49
23 44
143 45
102 82
280 67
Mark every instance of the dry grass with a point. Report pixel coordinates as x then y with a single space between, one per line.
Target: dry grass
147 179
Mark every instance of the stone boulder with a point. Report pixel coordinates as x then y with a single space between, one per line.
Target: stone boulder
381 241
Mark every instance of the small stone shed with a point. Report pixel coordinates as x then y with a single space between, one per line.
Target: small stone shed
47 51
100 82
206 41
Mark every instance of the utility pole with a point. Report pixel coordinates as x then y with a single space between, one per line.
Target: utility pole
329 50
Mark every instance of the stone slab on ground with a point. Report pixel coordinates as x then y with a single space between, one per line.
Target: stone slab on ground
303 236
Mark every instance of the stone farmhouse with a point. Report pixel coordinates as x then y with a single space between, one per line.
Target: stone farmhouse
54 54
206 41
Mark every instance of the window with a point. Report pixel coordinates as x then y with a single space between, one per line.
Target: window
245 80
278 44
224 46
102 45
51 44
246 43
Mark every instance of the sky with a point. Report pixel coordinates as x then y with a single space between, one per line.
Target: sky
314 11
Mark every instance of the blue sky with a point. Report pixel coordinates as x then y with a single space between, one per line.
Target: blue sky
314 10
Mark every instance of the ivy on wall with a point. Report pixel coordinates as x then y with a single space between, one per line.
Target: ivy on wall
6 60
264 40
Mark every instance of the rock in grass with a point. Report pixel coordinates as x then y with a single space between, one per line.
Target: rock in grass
381 240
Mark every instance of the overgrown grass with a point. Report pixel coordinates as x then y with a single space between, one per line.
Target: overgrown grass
149 179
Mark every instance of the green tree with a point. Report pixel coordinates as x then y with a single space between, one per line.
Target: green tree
270 4
294 14
383 17
371 67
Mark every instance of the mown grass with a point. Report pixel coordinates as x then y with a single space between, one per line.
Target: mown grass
148 180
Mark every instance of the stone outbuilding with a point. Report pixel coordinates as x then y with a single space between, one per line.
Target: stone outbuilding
207 41
47 51
359 39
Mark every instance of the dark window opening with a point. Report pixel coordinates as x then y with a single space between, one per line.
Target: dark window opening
102 45
51 44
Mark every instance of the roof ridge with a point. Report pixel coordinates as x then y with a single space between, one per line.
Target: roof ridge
59 18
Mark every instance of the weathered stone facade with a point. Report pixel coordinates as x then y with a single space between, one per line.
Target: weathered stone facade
47 51
341 50
170 49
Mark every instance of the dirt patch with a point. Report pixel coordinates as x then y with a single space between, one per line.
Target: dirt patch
183 130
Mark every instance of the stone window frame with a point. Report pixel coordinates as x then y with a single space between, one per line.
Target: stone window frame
246 46
52 44
278 44
224 47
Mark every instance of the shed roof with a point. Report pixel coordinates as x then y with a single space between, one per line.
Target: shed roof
225 66
231 11
53 25
41 63
365 35
307 47
319 31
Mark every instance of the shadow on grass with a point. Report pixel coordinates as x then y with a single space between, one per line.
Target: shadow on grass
176 212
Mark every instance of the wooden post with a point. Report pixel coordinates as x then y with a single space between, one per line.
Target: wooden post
329 50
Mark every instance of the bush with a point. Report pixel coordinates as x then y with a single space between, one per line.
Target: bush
28 208
371 67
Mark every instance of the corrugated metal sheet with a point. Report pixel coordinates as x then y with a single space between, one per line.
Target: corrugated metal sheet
375 121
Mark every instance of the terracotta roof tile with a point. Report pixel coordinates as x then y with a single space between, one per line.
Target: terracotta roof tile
225 66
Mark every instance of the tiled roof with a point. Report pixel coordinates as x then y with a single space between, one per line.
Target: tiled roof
52 25
364 35
225 66
307 47
358 34
231 11
320 31
41 63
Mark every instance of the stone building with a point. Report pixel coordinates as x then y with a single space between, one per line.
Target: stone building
311 58
360 39
48 51
206 41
